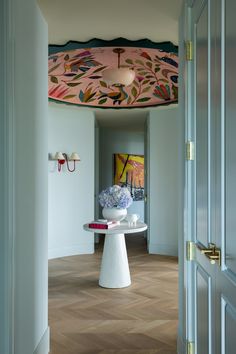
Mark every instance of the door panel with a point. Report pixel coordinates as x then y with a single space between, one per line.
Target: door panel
230 138
201 43
203 309
205 272
229 338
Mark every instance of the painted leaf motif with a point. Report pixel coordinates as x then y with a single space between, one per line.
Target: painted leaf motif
129 61
68 97
99 69
165 72
129 100
157 68
170 61
90 97
149 64
136 83
168 89
134 91
146 89
102 83
87 95
54 68
69 74
174 78
54 79
175 91
145 82
144 99
162 92
73 84
95 77
78 76
146 55
102 101
61 92
138 61
157 59
81 96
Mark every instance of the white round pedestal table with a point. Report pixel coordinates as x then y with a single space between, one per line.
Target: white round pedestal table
115 267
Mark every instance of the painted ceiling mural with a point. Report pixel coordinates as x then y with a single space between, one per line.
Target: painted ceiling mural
75 73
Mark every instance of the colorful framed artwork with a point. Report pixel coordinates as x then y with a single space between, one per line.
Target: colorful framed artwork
129 172
76 73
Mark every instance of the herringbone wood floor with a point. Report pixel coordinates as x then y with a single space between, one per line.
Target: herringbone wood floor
87 319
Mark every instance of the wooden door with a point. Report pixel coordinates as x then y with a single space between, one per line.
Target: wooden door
214 192
204 177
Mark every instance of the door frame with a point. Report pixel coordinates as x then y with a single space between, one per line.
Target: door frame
7 207
186 334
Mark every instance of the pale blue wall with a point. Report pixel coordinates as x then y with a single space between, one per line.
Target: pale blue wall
119 141
30 178
163 181
71 195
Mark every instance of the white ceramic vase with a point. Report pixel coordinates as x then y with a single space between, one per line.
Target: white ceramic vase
114 214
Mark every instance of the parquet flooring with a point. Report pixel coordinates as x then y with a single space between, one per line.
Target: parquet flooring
87 319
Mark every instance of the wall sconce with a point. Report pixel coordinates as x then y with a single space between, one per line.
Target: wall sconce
63 158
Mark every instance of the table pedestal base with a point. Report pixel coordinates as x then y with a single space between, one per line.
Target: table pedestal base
115 267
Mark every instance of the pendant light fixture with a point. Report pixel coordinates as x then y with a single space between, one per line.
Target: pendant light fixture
118 76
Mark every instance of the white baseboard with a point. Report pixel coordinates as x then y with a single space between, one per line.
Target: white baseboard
71 250
44 345
163 249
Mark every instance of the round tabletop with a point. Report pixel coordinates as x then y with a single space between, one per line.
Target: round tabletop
123 228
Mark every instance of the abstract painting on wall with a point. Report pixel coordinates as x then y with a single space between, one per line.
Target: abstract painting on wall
129 172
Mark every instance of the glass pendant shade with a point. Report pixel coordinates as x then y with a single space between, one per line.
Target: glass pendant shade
118 76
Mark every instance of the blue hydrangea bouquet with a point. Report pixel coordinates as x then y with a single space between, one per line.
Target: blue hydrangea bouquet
115 197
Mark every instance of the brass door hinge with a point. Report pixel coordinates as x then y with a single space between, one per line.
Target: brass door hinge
189 150
190 348
190 251
189 50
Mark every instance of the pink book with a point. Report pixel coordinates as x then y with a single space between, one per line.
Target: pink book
94 225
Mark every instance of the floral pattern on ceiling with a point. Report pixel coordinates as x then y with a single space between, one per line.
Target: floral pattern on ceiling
75 74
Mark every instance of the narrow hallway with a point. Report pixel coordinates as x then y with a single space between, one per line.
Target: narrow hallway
87 319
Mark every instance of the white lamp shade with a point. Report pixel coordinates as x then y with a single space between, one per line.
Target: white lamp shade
121 76
74 156
59 156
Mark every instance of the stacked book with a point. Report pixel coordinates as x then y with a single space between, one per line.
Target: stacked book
103 224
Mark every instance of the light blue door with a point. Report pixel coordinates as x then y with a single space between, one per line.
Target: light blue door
214 192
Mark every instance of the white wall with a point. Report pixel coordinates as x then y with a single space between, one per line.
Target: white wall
29 189
119 141
163 181
71 195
